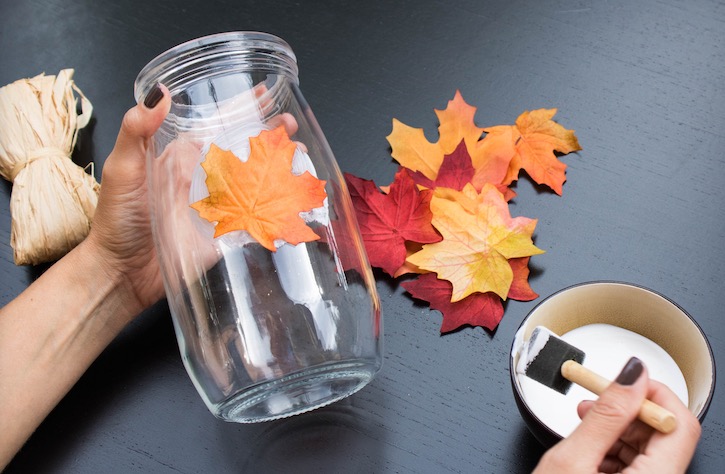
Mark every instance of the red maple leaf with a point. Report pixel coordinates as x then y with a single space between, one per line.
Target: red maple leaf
477 309
455 171
387 221
520 289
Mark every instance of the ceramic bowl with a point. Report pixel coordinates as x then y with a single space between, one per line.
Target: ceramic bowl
627 306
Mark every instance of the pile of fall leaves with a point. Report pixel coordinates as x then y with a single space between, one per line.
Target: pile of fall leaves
446 216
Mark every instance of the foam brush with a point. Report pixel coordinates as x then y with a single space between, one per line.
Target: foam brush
557 364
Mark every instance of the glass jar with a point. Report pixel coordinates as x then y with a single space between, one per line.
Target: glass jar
265 330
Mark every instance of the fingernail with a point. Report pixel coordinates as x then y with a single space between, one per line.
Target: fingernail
153 97
631 372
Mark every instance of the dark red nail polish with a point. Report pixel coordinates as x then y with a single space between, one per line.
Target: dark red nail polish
631 372
153 97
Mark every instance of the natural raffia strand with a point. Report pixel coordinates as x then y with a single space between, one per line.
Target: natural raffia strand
53 200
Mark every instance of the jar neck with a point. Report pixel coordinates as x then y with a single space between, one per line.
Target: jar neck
216 56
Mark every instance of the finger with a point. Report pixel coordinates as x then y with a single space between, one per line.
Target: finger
142 121
286 120
583 408
663 395
124 169
684 438
611 464
635 436
624 452
627 452
260 90
290 125
611 414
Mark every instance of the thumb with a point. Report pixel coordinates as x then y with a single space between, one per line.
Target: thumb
125 166
141 122
611 414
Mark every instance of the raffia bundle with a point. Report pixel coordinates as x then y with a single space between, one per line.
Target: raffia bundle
53 200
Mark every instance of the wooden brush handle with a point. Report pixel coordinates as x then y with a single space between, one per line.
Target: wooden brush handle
654 415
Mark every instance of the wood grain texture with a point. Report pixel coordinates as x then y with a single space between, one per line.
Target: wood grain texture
640 82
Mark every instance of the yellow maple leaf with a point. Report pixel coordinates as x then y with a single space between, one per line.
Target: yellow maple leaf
479 237
535 138
262 195
412 150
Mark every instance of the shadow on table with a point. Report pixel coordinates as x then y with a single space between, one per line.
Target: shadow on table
337 438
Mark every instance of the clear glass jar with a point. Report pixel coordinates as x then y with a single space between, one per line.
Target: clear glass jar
263 333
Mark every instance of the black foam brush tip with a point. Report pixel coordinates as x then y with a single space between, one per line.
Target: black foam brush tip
544 357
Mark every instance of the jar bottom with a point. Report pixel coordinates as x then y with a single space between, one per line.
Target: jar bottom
297 393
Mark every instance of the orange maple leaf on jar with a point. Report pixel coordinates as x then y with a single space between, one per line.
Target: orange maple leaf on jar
261 195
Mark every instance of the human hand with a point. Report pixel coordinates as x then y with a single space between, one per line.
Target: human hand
611 439
120 236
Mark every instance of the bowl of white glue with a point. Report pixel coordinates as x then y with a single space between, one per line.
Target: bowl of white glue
611 322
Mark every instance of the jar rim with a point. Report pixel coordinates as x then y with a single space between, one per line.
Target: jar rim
239 50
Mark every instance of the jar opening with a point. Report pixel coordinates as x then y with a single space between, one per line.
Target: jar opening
188 68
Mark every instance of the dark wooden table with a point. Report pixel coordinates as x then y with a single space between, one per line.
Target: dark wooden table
643 85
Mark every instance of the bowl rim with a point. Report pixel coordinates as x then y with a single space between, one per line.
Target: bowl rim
521 401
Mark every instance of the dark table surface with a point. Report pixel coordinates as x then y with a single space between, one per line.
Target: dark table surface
643 85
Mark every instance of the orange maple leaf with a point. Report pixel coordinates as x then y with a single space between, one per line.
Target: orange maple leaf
412 150
479 238
492 157
535 138
262 195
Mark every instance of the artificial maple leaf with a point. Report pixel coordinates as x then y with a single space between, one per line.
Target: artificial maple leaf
535 138
262 195
489 157
493 157
407 267
520 289
412 150
479 237
454 173
387 221
457 170
478 309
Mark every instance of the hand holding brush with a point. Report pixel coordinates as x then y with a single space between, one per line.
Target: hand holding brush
555 363
611 439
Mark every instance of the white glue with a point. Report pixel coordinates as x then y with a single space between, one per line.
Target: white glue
607 349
